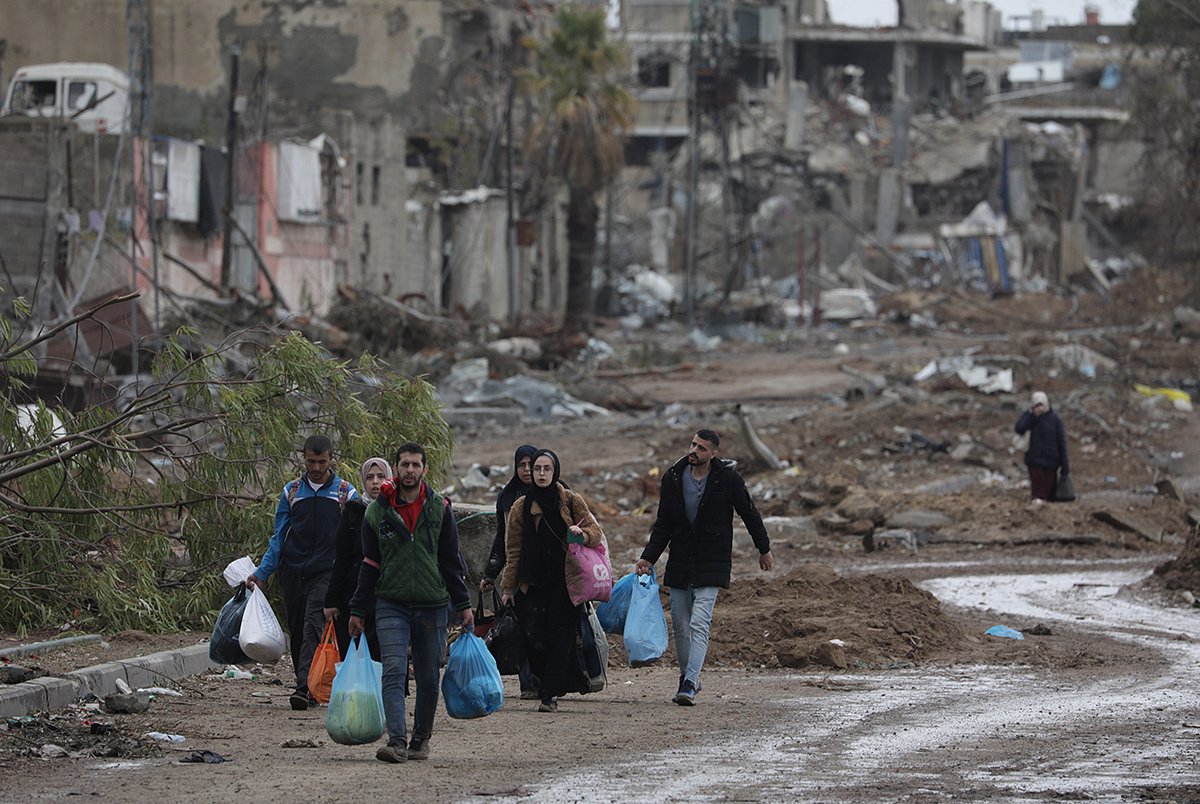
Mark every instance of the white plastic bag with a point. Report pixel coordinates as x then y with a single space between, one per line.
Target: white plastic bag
238 571
261 637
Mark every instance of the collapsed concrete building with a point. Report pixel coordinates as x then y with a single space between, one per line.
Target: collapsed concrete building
869 148
370 140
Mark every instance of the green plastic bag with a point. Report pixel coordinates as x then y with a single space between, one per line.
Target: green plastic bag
355 714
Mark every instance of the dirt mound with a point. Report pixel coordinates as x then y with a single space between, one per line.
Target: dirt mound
1182 572
790 622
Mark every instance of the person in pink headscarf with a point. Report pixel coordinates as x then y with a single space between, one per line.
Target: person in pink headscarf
344 578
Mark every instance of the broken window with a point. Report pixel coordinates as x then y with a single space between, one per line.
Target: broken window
375 175
424 153
80 95
641 150
757 71
359 171
654 71
34 97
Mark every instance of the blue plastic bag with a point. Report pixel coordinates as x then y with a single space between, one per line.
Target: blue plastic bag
1004 631
471 686
613 612
355 715
646 625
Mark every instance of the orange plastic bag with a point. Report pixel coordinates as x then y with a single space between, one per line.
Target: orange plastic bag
324 665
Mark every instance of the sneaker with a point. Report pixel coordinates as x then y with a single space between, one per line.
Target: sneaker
529 695
548 706
299 699
418 748
686 695
394 751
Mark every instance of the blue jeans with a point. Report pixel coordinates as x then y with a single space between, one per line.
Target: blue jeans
399 626
691 616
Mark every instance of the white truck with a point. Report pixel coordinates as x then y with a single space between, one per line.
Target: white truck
93 96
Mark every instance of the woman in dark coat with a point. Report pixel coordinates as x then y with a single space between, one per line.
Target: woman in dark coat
1046 457
344 578
540 525
518 486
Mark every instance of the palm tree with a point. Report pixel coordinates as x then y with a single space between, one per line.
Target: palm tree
579 134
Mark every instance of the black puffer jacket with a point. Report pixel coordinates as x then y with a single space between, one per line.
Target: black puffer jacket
348 558
702 555
1047 440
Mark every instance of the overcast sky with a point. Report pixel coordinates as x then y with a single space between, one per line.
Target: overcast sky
883 12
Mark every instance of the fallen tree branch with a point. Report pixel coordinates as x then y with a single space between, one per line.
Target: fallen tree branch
756 445
70 322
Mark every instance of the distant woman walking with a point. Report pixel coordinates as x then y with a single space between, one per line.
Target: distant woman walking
1047 453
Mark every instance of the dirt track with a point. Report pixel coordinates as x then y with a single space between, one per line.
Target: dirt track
1101 707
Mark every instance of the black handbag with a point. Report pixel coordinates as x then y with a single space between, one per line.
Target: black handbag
1064 490
506 641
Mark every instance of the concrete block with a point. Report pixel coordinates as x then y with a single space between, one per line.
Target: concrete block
59 692
99 679
21 699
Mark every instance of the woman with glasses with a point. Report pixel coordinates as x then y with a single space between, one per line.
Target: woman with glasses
540 526
1046 457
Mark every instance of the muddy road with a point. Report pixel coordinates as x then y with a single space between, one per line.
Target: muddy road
1123 727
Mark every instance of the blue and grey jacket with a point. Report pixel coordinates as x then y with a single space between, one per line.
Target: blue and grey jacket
306 523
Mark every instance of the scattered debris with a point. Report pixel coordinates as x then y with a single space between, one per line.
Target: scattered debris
1004 632
127 703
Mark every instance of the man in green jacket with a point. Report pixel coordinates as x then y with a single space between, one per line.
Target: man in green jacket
411 570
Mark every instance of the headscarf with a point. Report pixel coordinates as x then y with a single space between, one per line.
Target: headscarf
515 489
1039 396
362 474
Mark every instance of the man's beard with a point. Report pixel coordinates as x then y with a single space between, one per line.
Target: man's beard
406 485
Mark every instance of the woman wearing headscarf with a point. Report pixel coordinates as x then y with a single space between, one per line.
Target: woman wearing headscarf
540 525
344 578
518 486
1047 453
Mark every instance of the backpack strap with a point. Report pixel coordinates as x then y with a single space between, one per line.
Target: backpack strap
292 488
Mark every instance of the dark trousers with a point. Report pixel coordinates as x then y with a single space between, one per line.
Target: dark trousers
551 625
1042 482
303 604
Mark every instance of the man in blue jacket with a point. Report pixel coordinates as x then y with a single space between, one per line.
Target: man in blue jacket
302 548
695 517
412 572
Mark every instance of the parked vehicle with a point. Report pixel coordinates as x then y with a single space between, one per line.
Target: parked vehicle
93 96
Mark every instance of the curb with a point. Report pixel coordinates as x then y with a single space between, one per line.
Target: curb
50 694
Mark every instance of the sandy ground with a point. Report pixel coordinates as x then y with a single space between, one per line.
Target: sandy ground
924 707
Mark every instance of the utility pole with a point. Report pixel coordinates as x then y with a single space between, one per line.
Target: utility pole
231 126
710 89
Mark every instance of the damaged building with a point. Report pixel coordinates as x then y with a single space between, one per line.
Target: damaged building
367 138
891 155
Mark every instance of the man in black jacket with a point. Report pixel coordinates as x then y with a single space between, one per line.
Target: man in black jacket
695 517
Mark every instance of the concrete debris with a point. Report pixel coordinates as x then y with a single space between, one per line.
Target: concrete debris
475 479
526 349
131 703
847 304
1081 359
1130 523
917 520
468 384
981 378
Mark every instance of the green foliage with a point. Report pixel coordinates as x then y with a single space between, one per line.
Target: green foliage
585 109
578 136
128 519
